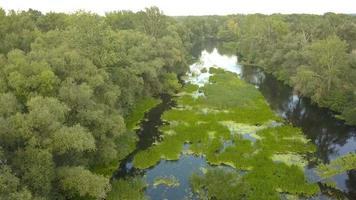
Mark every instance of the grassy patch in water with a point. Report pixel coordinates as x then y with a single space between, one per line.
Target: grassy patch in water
284 139
169 181
219 125
137 114
147 158
337 166
226 185
227 91
127 189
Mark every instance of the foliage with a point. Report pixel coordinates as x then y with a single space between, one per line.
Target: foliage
74 86
314 54
127 189
138 112
72 89
77 180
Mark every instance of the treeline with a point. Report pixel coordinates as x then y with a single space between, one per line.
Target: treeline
315 54
67 82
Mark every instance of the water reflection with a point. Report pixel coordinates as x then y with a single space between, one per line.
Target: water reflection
199 72
332 137
181 170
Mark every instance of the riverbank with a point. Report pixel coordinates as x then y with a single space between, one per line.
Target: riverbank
327 135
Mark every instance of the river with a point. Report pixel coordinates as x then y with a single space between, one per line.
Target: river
332 137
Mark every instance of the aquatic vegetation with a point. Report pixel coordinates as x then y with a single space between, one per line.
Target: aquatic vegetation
290 159
147 158
169 181
257 184
243 129
217 184
284 139
138 112
231 124
127 189
337 166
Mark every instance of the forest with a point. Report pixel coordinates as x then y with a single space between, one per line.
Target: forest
74 88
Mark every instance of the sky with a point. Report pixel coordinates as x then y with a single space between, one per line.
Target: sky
187 7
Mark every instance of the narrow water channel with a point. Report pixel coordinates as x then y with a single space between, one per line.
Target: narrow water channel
331 136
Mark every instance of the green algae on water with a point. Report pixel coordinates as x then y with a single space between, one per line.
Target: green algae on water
337 166
137 114
169 181
232 124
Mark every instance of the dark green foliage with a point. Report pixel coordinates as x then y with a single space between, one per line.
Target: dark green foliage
10 187
79 181
127 189
69 86
314 54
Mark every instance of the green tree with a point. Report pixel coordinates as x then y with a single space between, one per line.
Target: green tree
328 58
153 22
75 138
81 182
36 169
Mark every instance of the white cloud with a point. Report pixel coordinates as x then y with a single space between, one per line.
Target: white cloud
188 7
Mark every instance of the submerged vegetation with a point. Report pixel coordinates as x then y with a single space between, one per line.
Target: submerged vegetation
169 181
263 166
337 166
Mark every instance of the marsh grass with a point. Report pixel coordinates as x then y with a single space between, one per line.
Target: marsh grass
215 125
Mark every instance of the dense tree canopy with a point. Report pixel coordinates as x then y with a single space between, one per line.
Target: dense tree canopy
67 82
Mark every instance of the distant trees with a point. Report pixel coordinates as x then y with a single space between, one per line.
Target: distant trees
328 66
314 54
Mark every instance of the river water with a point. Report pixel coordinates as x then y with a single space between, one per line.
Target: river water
332 137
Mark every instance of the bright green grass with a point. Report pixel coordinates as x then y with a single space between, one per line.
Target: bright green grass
137 114
216 125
